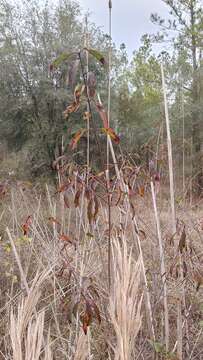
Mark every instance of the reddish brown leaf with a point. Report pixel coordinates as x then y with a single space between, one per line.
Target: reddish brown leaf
67 239
141 190
112 134
26 225
86 320
90 211
71 108
76 138
77 198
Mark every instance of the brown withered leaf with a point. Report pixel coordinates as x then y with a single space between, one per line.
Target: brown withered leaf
26 225
86 320
87 115
76 138
112 134
182 243
71 109
77 198
184 269
79 89
90 211
141 190
103 114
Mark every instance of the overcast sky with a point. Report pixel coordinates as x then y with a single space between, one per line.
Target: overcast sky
131 18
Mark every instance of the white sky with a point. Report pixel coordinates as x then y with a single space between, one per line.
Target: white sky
131 18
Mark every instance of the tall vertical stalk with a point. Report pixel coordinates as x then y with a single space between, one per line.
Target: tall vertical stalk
163 268
183 122
86 45
107 147
170 164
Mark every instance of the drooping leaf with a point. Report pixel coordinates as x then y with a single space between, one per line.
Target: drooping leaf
97 55
61 59
79 89
112 134
76 138
103 114
71 109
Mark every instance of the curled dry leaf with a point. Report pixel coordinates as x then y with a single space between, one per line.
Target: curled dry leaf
26 225
103 114
76 138
71 109
112 134
87 115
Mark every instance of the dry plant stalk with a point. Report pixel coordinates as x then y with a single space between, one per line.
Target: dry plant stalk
171 177
125 305
163 268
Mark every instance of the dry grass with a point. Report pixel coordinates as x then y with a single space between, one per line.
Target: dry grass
43 319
